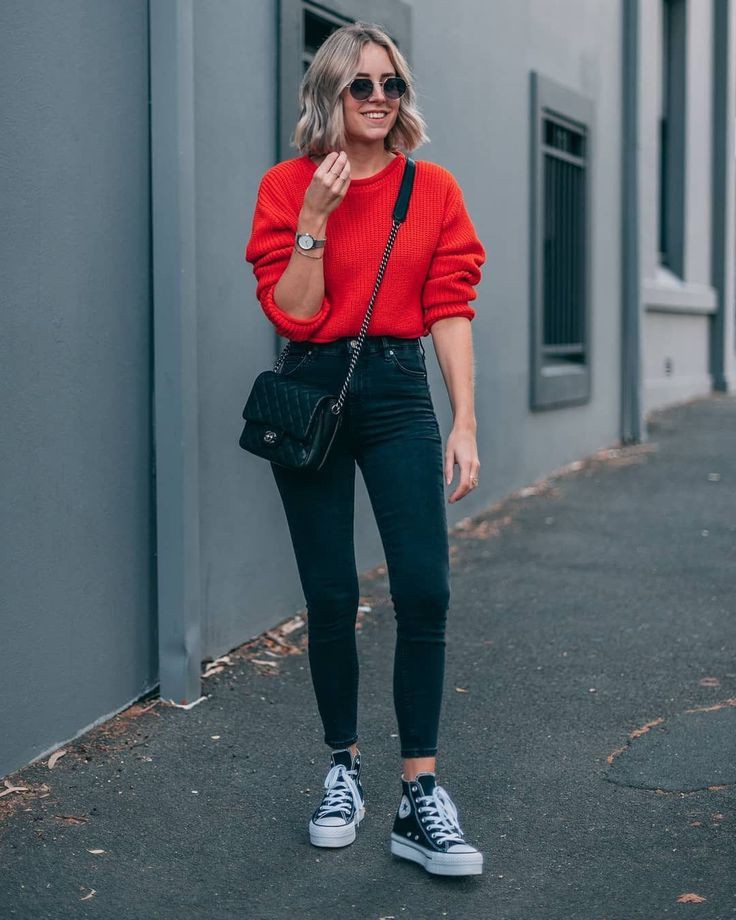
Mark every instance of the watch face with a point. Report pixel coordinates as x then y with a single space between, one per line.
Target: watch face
306 241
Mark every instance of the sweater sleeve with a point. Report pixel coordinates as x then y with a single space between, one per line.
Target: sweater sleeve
269 251
455 266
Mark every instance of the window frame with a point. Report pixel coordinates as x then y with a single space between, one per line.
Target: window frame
557 386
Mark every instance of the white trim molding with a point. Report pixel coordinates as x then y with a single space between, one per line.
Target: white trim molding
666 293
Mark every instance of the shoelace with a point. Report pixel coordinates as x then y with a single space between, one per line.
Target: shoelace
440 816
342 793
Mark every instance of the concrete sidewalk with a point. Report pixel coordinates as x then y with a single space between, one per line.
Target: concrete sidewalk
588 733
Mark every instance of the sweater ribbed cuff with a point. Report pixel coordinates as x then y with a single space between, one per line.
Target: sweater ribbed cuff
442 311
293 327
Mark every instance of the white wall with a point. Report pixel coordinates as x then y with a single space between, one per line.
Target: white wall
676 312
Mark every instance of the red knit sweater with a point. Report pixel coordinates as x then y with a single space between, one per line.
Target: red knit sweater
434 265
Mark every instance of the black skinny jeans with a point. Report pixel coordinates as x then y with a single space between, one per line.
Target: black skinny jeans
390 430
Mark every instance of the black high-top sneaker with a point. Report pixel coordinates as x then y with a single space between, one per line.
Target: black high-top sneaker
334 822
426 830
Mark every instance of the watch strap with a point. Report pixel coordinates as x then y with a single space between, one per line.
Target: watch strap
316 244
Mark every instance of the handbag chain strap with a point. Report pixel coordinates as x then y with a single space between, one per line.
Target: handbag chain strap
400 209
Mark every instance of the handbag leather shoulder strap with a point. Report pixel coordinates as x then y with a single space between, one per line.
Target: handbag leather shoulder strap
407 184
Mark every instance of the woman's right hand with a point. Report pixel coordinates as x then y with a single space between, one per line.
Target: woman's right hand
301 288
329 184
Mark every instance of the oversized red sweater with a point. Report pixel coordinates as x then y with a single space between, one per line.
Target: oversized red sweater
434 265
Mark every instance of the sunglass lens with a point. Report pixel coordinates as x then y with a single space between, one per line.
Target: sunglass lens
394 87
361 88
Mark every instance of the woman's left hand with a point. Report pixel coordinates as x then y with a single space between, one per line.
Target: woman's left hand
462 450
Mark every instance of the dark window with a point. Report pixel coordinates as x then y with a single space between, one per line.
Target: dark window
318 25
563 261
662 196
560 372
671 190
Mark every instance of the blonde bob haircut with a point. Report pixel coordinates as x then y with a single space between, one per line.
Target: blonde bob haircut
320 128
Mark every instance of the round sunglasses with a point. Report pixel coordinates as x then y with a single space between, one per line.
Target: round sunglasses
362 87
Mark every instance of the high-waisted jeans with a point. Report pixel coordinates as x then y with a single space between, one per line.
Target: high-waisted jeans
390 430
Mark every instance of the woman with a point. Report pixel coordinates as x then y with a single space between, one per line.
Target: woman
319 229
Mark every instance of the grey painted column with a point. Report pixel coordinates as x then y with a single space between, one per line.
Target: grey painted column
722 197
631 419
176 428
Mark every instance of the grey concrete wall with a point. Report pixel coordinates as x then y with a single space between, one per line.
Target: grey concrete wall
78 632
246 581
479 125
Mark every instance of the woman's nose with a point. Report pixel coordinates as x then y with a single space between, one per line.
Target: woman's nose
377 94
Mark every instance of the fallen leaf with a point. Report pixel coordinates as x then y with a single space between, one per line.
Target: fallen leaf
91 894
690 898
184 705
96 852
72 819
210 671
271 664
290 625
270 634
481 529
709 682
219 664
54 757
12 788
149 707
462 690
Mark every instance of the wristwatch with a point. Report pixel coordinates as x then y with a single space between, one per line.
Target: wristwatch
306 242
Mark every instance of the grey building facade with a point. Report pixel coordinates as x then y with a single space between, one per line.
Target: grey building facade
594 144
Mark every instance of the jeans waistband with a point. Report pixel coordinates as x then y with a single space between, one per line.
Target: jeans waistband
345 345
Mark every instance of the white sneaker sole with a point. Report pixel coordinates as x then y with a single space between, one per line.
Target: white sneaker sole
437 863
339 836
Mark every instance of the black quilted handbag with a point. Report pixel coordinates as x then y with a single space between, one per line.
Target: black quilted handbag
293 423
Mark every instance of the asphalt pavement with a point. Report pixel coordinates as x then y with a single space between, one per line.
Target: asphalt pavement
588 732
